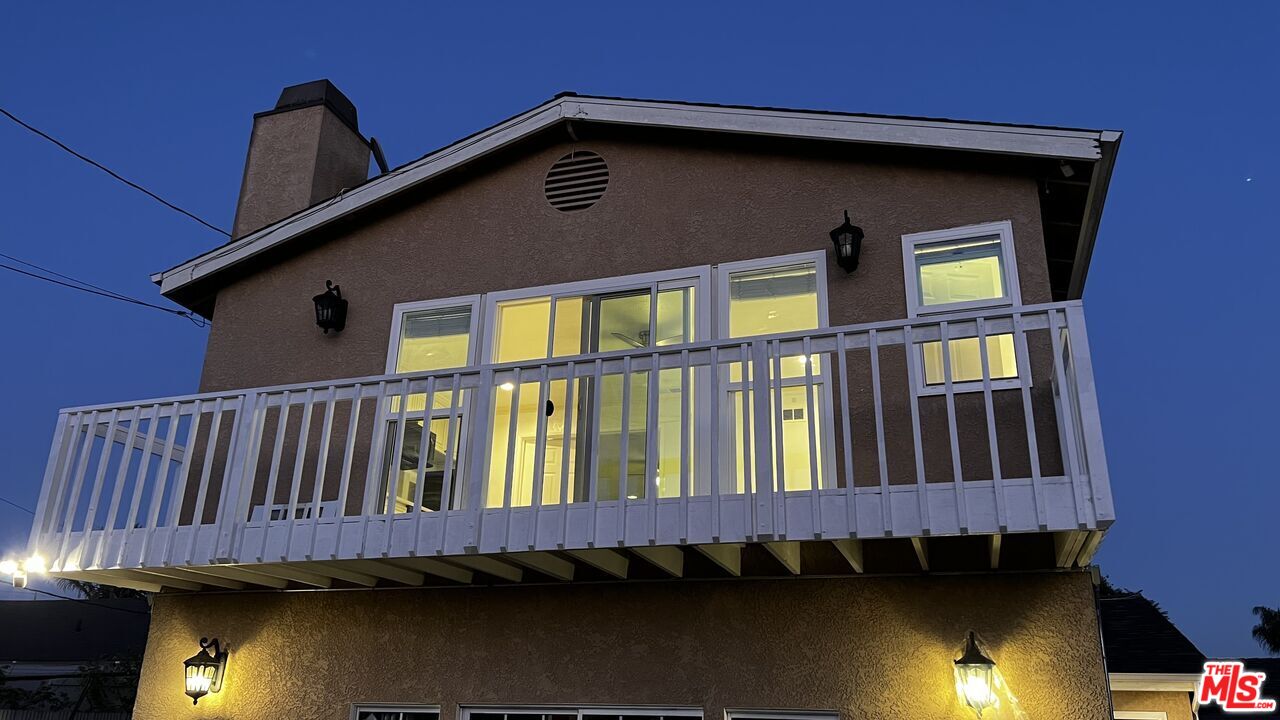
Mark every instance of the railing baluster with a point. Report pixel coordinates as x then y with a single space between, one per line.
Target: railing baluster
322 465
886 506
424 445
139 483
846 435
513 427
392 473
713 412
273 474
55 470
99 478
300 457
762 438
567 450
453 446
162 481
624 447
953 435
1067 421
779 487
914 383
73 499
652 467
210 450
376 456
240 476
593 462
344 482
181 480
686 484
993 442
539 456
1033 446
122 475
1086 400
812 426
482 402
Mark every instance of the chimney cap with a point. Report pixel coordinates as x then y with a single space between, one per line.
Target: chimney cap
316 92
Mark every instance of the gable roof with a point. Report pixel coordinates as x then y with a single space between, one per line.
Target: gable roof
1095 146
1139 638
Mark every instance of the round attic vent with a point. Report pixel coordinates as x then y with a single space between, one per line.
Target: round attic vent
576 181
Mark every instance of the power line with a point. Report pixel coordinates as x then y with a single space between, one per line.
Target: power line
112 173
87 601
6 501
82 286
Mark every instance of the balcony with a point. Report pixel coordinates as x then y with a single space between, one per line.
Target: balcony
867 444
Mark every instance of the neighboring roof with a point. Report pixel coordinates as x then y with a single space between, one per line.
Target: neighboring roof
1270 687
47 631
1138 638
1095 146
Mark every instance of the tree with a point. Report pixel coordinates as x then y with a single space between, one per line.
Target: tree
94 591
1267 631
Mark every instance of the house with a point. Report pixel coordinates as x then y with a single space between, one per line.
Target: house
620 408
64 654
1154 670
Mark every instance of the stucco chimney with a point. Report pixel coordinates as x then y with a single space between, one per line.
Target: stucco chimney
303 151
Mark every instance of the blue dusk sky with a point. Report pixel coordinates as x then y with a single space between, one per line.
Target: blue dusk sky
1179 298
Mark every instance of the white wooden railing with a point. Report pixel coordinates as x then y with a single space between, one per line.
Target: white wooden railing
224 478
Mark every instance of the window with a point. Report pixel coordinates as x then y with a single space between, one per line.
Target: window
781 715
763 297
580 713
393 712
960 269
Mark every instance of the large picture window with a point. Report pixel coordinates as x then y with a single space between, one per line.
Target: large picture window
959 269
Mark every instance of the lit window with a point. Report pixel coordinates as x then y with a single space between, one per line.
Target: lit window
395 713
963 269
434 339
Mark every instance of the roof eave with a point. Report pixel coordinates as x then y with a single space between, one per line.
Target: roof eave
1065 144
1109 145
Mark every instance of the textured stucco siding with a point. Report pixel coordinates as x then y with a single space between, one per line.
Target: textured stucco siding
869 648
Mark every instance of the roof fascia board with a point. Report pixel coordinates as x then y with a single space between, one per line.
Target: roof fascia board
1154 682
345 203
1027 141
1098 184
1046 142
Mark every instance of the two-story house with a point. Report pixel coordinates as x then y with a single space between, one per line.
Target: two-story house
612 411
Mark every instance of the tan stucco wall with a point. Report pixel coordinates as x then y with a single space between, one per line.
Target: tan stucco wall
877 648
1177 705
670 204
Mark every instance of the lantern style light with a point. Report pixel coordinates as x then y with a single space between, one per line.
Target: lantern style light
848 241
331 309
975 677
204 670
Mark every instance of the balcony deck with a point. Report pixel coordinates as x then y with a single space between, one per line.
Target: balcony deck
296 486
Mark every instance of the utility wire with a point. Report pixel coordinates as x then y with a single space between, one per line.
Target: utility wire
7 501
112 173
82 286
87 601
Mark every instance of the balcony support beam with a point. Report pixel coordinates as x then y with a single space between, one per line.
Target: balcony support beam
119 578
434 567
344 572
490 566
728 556
228 572
609 561
787 553
167 574
293 574
922 552
852 551
545 563
666 557
995 542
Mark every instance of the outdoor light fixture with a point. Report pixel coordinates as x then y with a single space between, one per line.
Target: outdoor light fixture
848 241
331 309
16 574
975 677
205 669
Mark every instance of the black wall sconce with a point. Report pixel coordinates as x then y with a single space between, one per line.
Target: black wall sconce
975 677
204 670
848 241
331 309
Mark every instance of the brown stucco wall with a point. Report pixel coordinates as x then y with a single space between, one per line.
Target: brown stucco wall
1177 705
671 203
877 648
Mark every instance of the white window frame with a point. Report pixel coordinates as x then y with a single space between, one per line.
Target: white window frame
695 713
358 708
758 714
1012 297
825 407
401 309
